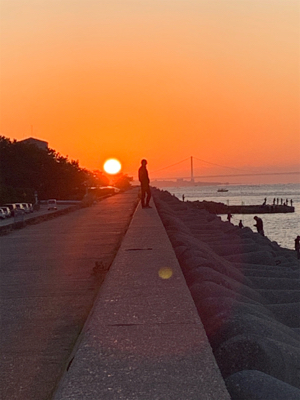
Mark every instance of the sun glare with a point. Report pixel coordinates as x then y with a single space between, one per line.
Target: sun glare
165 273
112 166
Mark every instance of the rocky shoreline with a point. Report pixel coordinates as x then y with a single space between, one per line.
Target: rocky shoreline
247 292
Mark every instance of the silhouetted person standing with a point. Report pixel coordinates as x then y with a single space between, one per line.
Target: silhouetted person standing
145 181
297 246
259 225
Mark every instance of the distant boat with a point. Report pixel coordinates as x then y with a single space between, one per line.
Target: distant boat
222 190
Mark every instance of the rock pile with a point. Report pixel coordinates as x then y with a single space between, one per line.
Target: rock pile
247 292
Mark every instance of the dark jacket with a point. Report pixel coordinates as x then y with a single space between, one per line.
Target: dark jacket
143 176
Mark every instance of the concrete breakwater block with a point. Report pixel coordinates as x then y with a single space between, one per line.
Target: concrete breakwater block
275 283
192 254
224 248
287 313
246 290
256 385
246 351
203 290
211 306
222 327
208 274
279 296
273 272
258 257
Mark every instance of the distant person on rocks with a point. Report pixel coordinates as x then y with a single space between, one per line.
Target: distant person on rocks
241 224
265 202
259 225
297 246
145 181
229 216
183 197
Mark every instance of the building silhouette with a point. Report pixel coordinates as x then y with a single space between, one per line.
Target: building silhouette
41 144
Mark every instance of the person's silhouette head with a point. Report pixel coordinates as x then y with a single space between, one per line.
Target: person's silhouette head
144 162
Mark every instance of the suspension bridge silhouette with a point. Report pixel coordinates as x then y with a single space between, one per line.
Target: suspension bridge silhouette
192 176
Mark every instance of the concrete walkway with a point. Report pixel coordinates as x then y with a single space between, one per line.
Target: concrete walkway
144 339
50 274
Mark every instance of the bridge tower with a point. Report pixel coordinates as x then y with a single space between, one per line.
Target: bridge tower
192 170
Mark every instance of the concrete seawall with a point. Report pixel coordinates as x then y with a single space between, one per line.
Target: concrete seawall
144 338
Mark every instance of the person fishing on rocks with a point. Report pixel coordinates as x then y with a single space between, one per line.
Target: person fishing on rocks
259 225
297 246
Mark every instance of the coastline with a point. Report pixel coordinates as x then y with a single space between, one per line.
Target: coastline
280 227
246 290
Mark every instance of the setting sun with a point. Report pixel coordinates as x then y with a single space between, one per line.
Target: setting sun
162 80
112 166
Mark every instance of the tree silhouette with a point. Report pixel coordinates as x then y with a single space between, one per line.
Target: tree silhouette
25 168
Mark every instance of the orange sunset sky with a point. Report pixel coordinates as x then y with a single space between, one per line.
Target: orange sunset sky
158 79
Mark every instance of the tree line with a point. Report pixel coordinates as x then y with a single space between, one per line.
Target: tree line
26 169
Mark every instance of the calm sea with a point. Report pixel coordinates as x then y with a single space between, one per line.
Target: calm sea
282 228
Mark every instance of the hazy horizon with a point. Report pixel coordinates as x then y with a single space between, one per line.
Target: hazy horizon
217 173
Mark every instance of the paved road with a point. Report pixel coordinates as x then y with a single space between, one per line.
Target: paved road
49 280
